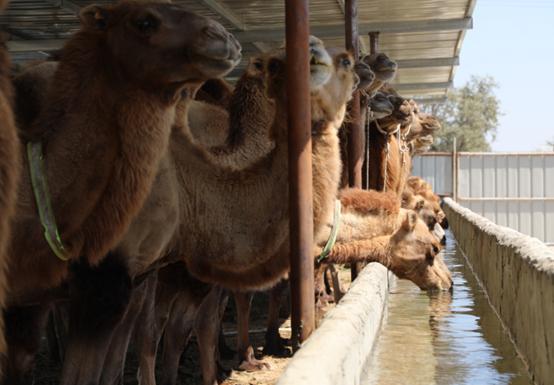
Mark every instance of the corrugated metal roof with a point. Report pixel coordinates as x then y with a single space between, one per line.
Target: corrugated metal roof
412 31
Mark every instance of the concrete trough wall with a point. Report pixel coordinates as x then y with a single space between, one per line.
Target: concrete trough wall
517 272
337 351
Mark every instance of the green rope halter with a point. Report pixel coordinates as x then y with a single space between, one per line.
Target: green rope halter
42 198
333 236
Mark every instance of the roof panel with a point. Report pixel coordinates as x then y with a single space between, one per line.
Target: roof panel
45 22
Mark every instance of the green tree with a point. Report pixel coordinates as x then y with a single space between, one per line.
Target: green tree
470 114
550 143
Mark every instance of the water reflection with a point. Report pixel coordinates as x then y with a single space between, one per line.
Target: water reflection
444 338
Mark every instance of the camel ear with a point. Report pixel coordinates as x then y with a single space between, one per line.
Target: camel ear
419 205
95 16
274 67
410 221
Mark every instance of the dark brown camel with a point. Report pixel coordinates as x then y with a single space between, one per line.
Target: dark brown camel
103 144
9 175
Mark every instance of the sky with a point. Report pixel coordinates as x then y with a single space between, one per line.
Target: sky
513 41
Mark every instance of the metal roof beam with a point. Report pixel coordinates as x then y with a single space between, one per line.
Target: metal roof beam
335 30
66 4
421 86
34 45
227 14
434 62
435 100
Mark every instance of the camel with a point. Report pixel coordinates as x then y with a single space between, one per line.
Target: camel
249 251
419 187
384 69
104 143
375 229
388 157
9 175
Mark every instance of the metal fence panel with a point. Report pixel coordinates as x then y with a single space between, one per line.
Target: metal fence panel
511 189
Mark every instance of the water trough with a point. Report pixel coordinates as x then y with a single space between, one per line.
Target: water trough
496 328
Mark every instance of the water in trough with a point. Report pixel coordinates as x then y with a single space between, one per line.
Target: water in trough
443 338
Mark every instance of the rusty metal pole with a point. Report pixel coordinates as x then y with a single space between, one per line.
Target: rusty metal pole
373 48
356 137
300 170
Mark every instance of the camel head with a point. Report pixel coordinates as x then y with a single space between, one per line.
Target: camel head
402 114
160 44
273 65
365 74
383 67
429 124
380 106
414 255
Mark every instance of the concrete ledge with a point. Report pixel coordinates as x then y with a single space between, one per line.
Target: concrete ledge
518 273
337 351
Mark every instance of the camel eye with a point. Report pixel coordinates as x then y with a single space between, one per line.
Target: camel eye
258 65
346 62
435 249
147 25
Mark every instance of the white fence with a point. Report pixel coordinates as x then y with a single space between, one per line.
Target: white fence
511 189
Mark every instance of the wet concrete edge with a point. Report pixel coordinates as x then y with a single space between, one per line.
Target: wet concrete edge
517 272
337 351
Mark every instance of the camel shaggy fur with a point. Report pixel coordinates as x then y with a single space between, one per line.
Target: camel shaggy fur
9 175
374 228
104 143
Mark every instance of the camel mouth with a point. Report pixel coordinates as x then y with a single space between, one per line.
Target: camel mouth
216 66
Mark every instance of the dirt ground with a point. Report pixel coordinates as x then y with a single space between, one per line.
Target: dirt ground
48 370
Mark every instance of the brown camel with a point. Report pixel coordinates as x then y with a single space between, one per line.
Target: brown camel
9 175
384 69
104 142
388 158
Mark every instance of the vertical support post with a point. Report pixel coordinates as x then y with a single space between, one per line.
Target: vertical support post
455 170
374 48
356 137
373 43
300 170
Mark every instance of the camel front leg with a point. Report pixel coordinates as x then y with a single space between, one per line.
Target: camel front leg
206 327
114 365
247 359
99 298
24 329
275 345
177 332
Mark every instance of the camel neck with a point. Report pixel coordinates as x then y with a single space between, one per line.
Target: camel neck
369 250
104 144
250 121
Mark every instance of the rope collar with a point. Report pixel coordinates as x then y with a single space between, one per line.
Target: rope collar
333 236
42 198
396 130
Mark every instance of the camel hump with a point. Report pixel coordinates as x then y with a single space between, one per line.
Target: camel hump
369 201
31 91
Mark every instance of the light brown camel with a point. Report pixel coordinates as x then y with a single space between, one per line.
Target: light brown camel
9 175
249 250
418 186
104 142
374 228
